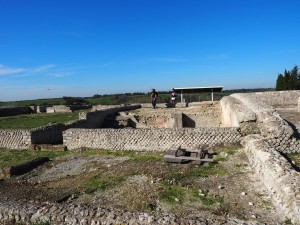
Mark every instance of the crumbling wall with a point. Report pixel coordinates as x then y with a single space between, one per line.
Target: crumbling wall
51 134
273 128
199 115
234 112
96 118
21 139
148 139
13 111
58 109
277 174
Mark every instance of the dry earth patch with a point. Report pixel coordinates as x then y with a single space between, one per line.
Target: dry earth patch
141 181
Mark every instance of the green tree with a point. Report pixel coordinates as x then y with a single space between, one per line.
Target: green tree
280 83
289 81
293 78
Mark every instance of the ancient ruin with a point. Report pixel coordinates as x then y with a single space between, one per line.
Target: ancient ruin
256 120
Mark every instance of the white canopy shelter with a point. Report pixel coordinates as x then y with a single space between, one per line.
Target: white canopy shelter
211 89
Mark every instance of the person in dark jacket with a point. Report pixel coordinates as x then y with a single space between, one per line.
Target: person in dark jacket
153 98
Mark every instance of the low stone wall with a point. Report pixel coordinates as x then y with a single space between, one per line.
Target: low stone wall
15 139
148 139
58 109
21 139
234 113
277 174
95 118
279 98
51 134
15 111
273 128
30 212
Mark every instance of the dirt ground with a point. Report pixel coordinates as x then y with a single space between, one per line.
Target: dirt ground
143 182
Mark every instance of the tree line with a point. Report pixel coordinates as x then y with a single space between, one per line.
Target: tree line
290 80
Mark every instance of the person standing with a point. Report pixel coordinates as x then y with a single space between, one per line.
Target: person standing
173 97
153 98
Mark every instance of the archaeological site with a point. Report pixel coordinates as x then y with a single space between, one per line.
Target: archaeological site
256 183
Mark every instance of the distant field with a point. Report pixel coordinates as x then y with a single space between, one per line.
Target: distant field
129 98
30 121
116 99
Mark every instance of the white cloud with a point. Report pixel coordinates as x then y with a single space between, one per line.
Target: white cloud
4 71
43 68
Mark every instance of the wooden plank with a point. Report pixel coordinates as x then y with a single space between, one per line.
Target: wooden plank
188 158
193 150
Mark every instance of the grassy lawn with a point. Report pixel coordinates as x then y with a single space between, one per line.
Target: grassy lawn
14 157
29 121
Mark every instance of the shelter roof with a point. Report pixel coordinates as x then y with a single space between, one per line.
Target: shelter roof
199 89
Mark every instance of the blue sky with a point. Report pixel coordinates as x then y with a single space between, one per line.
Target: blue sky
55 48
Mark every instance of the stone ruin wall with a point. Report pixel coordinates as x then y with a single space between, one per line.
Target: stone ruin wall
279 98
206 114
264 150
154 139
52 134
14 139
277 174
70 214
21 139
281 179
96 117
240 109
13 111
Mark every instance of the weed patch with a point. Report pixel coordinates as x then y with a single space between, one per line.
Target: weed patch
172 194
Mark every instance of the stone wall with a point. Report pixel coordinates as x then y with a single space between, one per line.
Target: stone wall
96 117
277 174
234 112
200 115
15 111
21 139
279 98
51 134
148 139
15 139
30 212
272 127
58 109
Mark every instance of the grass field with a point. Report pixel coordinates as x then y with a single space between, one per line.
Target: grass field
30 121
